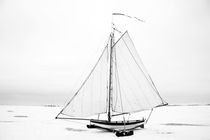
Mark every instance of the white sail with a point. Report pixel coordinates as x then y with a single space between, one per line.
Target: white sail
133 90
91 98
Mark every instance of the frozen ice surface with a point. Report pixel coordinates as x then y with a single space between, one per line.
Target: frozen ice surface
39 123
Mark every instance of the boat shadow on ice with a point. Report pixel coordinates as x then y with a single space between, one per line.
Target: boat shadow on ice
75 130
164 132
20 116
7 121
184 124
157 131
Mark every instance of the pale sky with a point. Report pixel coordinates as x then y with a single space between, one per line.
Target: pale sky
47 47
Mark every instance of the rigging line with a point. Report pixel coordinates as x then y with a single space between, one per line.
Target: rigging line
98 116
149 115
115 29
101 82
82 97
72 118
143 72
136 111
119 38
121 114
91 90
161 105
85 80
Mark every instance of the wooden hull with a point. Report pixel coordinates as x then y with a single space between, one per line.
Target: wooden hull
117 125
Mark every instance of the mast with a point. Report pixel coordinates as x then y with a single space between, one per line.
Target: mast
110 77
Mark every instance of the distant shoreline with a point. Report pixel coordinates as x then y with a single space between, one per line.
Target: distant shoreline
53 105
208 104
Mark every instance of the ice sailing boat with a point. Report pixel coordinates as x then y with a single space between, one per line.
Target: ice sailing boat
117 85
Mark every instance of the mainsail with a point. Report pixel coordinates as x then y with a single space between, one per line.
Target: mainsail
91 98
132 87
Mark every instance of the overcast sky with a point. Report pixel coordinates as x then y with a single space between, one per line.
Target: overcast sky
47 47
